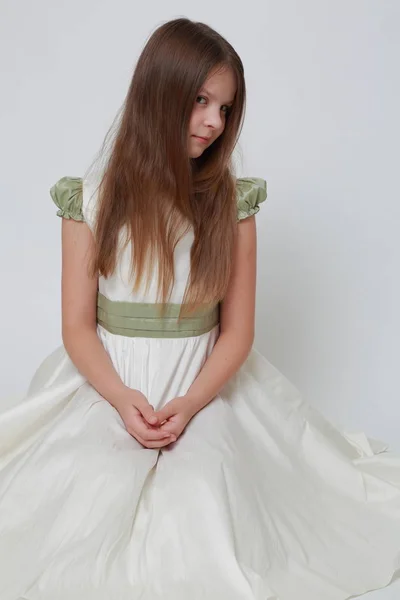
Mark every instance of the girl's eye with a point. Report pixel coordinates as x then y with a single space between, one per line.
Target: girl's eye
225 105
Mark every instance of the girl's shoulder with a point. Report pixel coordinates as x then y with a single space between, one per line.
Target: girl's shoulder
73 197
67 195
250 192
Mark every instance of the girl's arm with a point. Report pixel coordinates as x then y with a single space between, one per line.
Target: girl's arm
237 318
82 343
79 306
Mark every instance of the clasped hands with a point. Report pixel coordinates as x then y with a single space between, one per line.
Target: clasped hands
154 429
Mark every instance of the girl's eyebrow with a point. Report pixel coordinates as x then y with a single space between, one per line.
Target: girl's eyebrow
212 95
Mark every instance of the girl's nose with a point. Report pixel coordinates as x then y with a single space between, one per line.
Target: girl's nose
214 119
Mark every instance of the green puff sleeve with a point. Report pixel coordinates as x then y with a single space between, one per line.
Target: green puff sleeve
250 192
67 194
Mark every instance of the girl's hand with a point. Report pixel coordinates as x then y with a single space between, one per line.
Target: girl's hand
175 415
138 417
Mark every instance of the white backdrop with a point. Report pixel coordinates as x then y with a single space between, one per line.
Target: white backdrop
322 126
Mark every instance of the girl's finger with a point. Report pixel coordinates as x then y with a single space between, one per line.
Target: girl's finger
146 433
170 428
154 444
164 413
146 409
149 414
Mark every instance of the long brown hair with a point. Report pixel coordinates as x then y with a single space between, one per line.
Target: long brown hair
152 186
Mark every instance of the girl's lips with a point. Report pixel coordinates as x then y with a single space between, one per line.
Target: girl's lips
201 139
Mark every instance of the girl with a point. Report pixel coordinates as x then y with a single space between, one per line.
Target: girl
157 455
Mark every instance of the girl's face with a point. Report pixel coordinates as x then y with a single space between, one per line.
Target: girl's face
208 117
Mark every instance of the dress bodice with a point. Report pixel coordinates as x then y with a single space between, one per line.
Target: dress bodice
76 199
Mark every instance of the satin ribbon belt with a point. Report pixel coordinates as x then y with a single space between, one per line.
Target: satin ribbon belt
140 319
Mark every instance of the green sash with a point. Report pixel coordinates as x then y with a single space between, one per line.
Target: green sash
140 319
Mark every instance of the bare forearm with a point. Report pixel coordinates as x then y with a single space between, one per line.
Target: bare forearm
92 360
227 356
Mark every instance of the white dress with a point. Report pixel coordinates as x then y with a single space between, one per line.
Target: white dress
260 498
